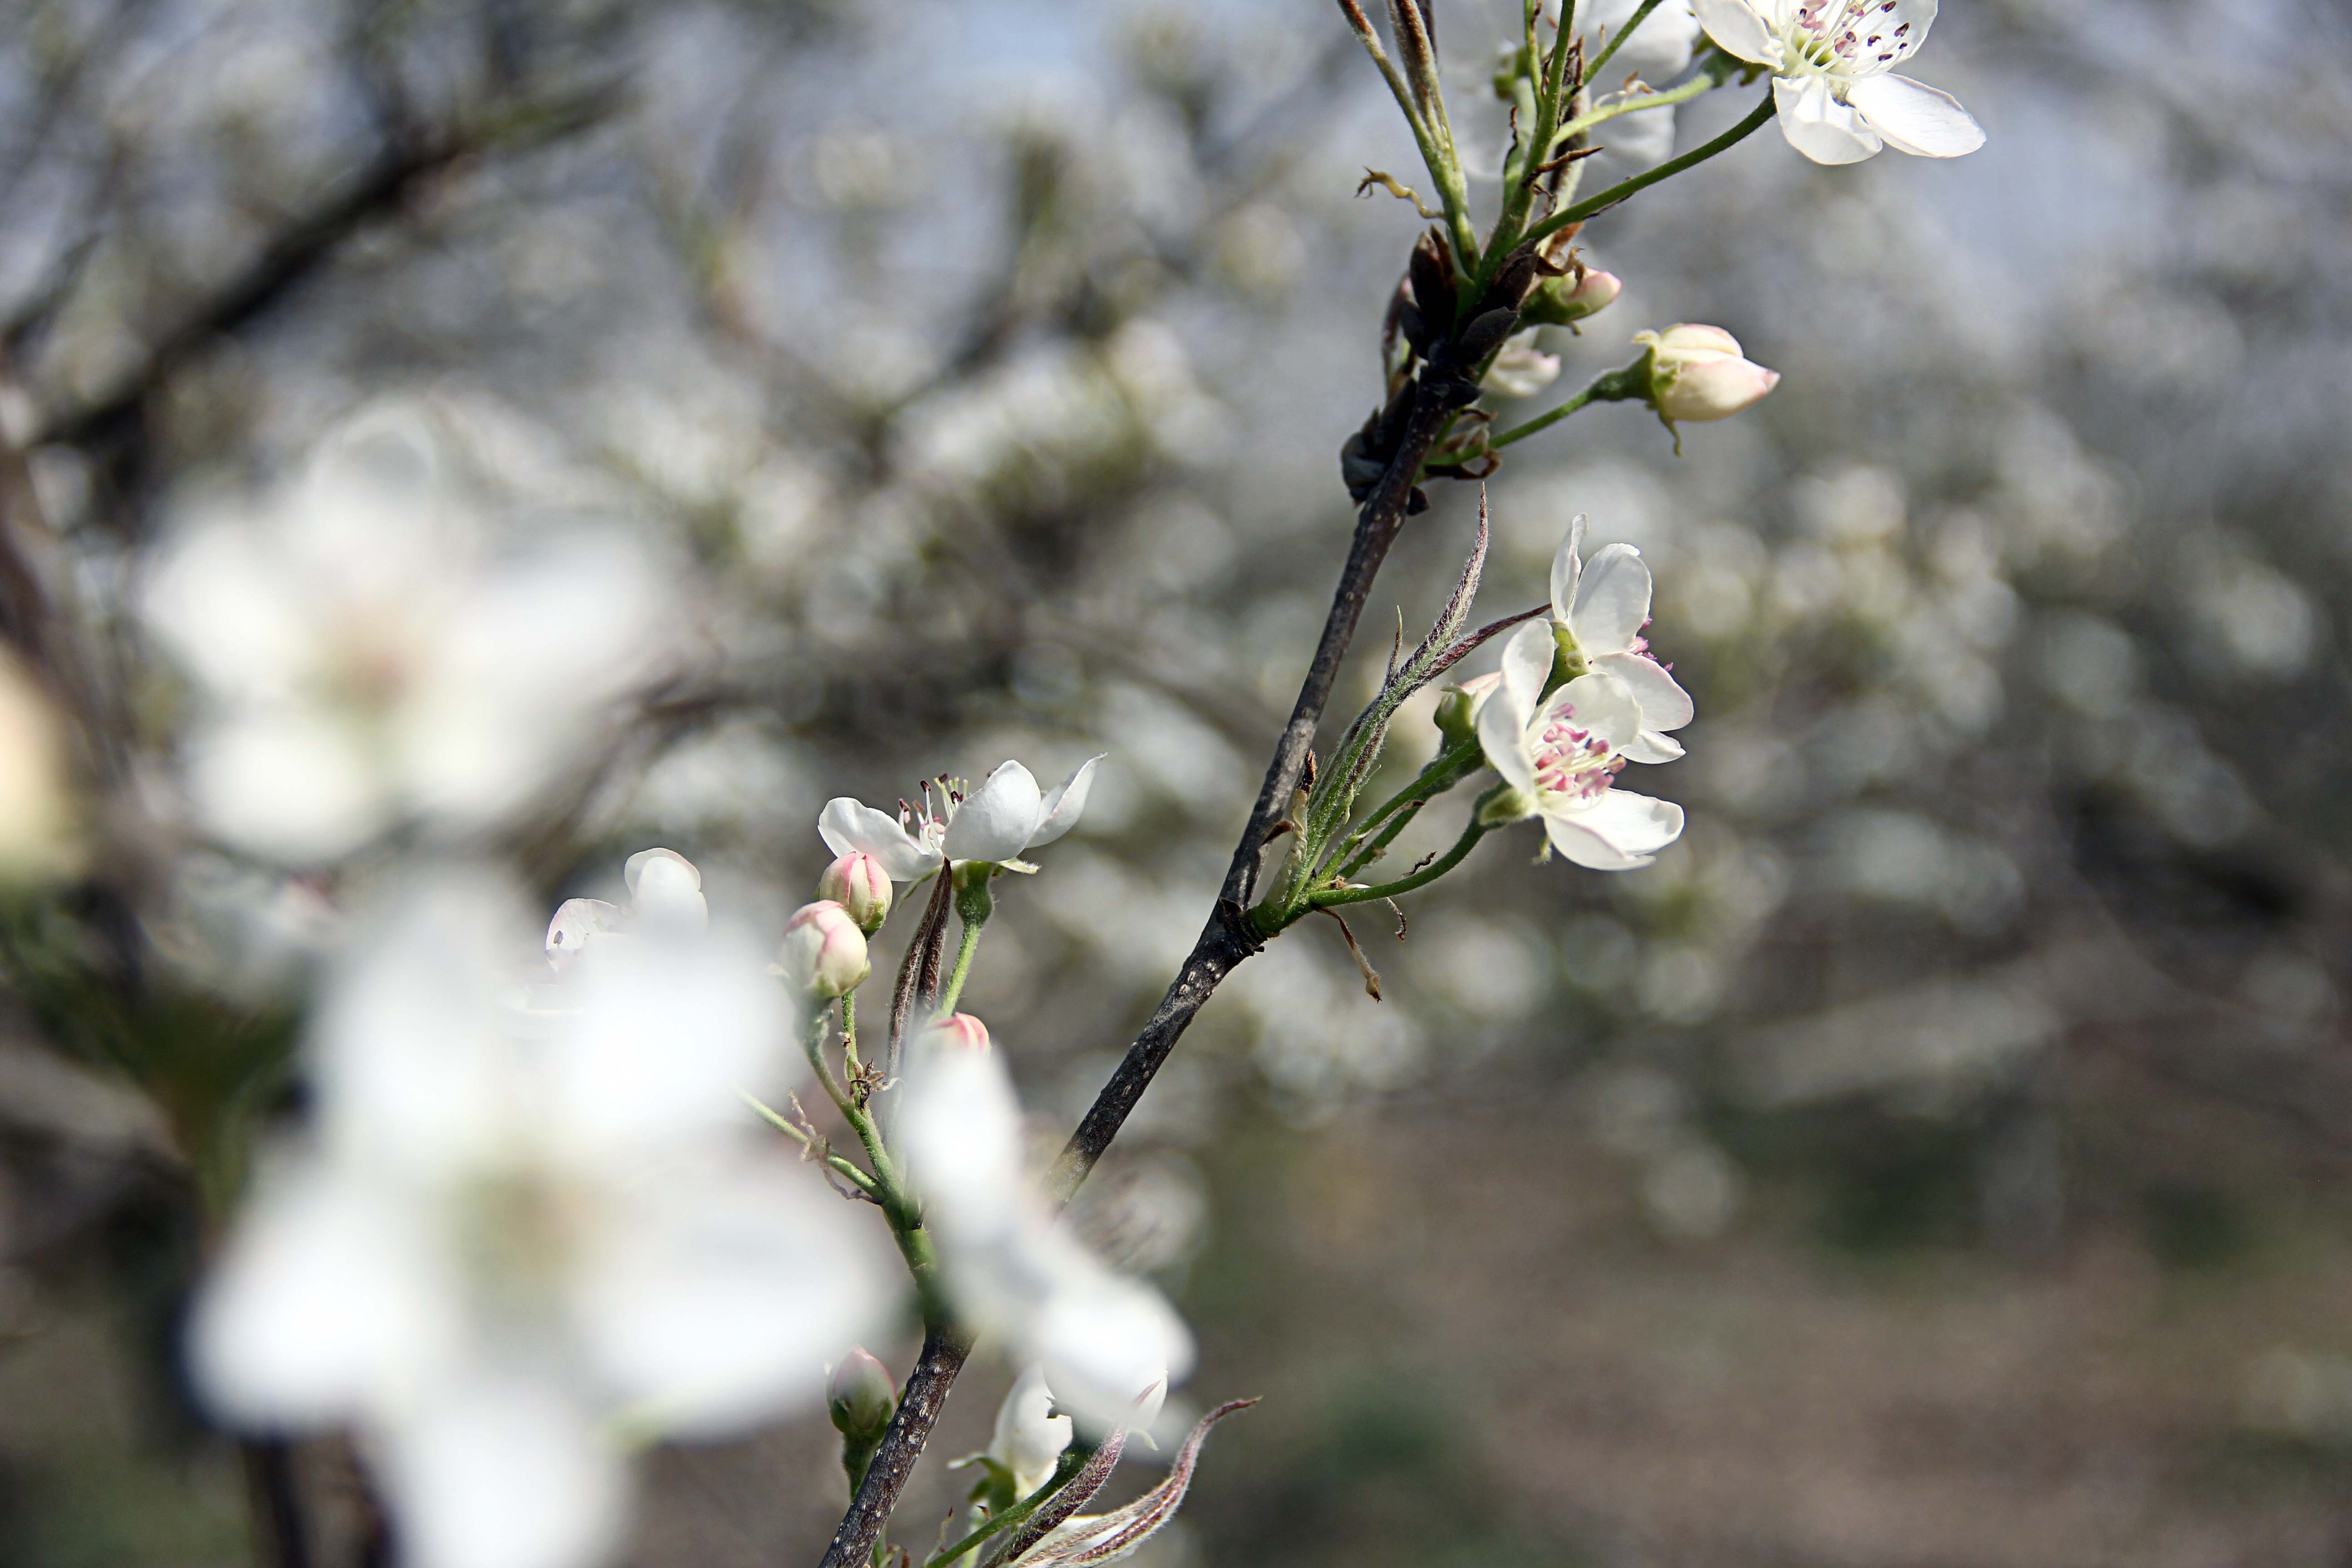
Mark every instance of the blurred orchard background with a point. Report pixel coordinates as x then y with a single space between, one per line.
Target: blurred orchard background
1942 1156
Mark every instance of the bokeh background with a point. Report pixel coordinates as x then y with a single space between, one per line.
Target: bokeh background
1942 1156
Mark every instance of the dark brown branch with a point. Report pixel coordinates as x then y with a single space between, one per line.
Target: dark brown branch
919 1404
1426 409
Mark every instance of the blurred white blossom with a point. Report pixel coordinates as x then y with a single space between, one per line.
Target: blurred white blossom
527 1225
1110 1345
37 838
364 657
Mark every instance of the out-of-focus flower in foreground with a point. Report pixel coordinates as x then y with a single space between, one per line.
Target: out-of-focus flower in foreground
1520 370
37 837
997 823
665 896
1561 757
1110 1345
364 657
1698 373
1834 81
1598 611
516 1235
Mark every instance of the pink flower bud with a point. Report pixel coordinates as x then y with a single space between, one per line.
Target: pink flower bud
956 1032
824 952
1563 302
858 884
860 1395
1698 373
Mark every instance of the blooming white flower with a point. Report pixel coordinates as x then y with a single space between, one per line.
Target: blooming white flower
1561 755
1030 1437
365 658
1698 373
1519 369
1598 611
513 1230
1110 1345
1834 80
996 823
665 894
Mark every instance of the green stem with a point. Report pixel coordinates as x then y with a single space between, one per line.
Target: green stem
857 1178
1628 384
1592 116
1672 166
813 1042
974 904
1072 1461
849 1032
1326 897
1449 768
1592 71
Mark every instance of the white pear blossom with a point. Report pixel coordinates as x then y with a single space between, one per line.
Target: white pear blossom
1110 1345
362 656
1599 609
1520 370
997 823
516 1235
665 894
1030 1436
1834 80
1561 754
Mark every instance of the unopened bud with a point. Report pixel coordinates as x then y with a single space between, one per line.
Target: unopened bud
1698 373
858 884
823 953
958 1032
861 1397
1564 301
1457 706
665 890
1519 371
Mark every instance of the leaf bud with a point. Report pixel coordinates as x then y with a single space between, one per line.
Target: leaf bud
1698 373
1457 707
823 953
858 884
860 1396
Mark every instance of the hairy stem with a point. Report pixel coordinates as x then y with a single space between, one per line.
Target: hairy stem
1328 898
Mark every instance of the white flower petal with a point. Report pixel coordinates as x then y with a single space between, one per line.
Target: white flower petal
667 1033
1064 802
495 1473
1650 746
959 1123
1738 30
1598 702
1915 117
326 1291
579 921
996 822
1527 659
667 891
1028 1439
1658 49
1565 568
1619 831
726 1292
1612 601
1110 1347
848 826
1664 704
291 784
1818 125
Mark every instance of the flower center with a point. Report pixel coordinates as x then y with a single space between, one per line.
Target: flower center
1845 38
1571 762
929 821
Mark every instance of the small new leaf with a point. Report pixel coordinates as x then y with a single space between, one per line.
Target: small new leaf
1394 187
